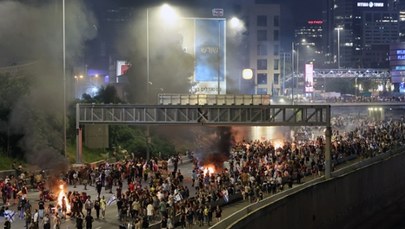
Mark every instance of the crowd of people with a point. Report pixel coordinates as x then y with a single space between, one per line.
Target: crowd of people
145 192
364 99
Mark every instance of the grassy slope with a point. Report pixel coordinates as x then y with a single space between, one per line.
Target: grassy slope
88 156
6 162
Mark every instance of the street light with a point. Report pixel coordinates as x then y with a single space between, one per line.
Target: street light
64 78
247 74
236 24
293 50
338 45
170 15
147 57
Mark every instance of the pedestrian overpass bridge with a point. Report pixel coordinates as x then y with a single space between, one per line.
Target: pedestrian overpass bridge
214 115
209 115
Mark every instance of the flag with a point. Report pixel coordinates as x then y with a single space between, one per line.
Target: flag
225 195
111 200
178 197
8 214
226 198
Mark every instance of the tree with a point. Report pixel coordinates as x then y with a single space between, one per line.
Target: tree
12 88
107 95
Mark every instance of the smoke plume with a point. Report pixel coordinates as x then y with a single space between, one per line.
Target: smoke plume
32 33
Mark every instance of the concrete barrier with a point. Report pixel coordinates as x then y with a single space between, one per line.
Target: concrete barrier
5 173
352 193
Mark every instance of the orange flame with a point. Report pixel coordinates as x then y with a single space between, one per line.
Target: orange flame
208 169
60 197
278 144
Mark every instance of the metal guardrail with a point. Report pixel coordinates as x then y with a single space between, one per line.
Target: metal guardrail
352 73
207 99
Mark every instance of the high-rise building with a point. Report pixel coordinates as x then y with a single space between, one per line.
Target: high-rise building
400 5
359 32
308 43
263 42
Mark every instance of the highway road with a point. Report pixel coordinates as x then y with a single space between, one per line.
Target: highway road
111 219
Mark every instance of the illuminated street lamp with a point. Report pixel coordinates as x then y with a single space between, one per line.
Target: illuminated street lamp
247 74
338 29
169 15
236 24
64 79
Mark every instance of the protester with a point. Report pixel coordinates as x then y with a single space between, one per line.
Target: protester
89 221
256 168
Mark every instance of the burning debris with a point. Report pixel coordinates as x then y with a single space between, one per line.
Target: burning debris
214 150
208 169
63 201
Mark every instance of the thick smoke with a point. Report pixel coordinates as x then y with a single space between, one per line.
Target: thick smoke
213 145
32 33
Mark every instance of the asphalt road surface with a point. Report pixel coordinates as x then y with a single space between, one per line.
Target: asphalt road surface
111 219
391 217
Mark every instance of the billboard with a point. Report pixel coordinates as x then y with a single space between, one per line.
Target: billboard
397 62
309 78
122 67
204 38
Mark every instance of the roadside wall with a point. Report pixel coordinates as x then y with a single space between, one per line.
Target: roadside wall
344 200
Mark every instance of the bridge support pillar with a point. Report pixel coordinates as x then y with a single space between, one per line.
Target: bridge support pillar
78 136
328 164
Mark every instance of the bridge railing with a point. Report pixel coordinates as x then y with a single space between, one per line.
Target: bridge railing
208 99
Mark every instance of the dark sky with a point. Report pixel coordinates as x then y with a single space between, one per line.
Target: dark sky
306 9
302 10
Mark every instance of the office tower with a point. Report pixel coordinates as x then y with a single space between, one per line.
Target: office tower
359 32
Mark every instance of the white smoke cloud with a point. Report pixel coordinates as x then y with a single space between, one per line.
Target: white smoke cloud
32 32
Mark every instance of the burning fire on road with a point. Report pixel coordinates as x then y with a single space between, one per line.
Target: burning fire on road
208 169
62 194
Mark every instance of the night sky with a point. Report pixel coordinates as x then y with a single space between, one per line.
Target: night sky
301 10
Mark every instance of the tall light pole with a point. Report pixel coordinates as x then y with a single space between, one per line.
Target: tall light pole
298 61
169 13
292 72
338 45
147 57
283 85
296 50
219 58
64 75
147 81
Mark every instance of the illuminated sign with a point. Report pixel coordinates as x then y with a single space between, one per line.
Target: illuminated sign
400 68
309 78
370 4
401 57
204 38
218 12
400 51
122 67
315 22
